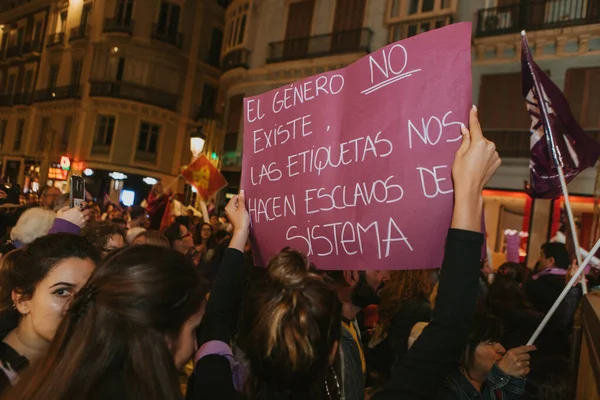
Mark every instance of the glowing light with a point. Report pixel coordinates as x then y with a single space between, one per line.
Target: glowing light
127 197
118 176
150 181
88 172
196 145
115 49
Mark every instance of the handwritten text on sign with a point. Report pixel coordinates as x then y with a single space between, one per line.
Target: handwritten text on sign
353 166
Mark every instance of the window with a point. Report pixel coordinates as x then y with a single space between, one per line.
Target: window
28 81
236 26
407 8
236 106
581 85
148 138
168 19
37 35
120 69
19 135
53 77
76 69
85 15
61 25
10 87
124 12
3 125
66 133
298 28
214 52
209 101
503 92
403 30
20 37
105 128
44 131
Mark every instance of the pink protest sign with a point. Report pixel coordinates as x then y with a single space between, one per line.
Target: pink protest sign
353 166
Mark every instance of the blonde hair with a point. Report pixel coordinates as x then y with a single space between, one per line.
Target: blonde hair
32 224
294 323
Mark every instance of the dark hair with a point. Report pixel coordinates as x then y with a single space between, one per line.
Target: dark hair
115 330
198 239
173 233
514 272
23 269
559 252
403 286
485 328
154 238
293 323
183 220
220 235
505 296
100 232
137 212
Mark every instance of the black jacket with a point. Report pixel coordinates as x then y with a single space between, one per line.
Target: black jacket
421 372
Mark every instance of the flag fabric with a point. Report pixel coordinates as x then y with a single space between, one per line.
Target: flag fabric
202 175
556 137
165 221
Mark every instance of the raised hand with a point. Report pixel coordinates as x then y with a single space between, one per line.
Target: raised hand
516 361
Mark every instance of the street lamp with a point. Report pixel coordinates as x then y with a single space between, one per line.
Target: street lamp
197 142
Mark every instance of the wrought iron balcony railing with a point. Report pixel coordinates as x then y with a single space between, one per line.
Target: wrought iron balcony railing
537 15
135 92
354 41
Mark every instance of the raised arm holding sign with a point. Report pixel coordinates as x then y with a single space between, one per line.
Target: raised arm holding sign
353 167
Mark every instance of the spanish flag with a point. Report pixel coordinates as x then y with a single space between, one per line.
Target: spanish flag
202 175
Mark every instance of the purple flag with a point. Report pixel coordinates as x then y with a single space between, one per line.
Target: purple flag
556 137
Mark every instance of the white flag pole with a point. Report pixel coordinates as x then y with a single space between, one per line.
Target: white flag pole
553 152
563 294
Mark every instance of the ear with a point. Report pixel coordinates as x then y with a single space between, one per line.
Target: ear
21 304
333 352
351 277
551 260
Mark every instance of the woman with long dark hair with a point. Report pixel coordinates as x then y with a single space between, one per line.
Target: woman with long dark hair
37 284
404 302
126 333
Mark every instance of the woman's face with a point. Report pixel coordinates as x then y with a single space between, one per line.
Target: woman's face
486 355
187 344
185 242
51 298
206 232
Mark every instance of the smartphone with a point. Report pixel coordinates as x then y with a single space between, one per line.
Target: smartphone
77 197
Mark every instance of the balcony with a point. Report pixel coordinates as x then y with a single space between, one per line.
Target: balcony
6 101
59 93
354 41
160 33
58 39
235 59
79 33
34 47
135 92
403 30
23 99
517 143
14 52
536 15
116 25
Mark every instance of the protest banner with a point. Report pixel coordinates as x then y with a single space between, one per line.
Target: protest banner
353 166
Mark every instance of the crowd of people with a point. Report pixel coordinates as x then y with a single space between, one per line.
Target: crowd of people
97 305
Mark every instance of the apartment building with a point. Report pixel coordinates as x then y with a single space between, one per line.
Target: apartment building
269 43
112 88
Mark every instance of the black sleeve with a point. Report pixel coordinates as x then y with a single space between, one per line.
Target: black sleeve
421 372
212 380
219 318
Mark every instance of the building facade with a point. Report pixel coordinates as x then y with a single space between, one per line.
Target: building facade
116 87
269 43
